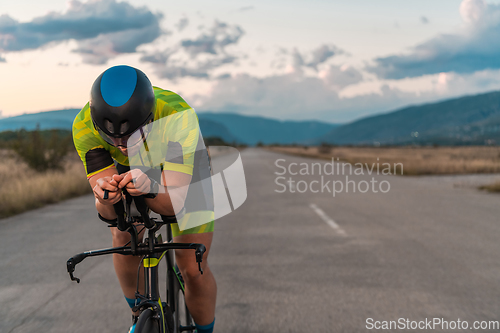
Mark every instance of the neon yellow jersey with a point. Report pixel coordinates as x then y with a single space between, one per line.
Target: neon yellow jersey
97 155
182 142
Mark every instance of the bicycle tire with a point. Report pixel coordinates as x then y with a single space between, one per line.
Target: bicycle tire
147 323
169 318
182 317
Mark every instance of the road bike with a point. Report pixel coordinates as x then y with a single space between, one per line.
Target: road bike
155 316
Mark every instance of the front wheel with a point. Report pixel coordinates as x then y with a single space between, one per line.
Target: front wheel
147 322
182 317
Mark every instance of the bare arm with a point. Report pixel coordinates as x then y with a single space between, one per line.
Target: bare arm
172 191
173 188
101 181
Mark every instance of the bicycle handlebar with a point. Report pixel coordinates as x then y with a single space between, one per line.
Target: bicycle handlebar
140 250
140 204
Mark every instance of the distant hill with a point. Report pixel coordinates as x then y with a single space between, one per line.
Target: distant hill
227 126
253 129
61 119
214 129
465 120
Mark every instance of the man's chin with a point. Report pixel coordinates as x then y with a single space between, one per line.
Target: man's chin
124 152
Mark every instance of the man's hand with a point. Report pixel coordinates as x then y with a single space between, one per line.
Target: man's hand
110 184
135 181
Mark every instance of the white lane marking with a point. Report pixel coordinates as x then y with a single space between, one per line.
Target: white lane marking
328 220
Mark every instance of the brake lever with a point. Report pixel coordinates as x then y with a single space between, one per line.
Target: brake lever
199 256
71 264
74 278
71 268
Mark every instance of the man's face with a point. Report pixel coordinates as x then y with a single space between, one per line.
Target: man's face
130 144
119 142
123 150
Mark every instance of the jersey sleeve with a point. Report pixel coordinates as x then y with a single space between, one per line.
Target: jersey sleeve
90 148
173 138
181 137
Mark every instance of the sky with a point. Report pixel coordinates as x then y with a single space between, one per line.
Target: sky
333 61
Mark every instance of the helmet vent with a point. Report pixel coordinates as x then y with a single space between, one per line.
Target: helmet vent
109 126
124 127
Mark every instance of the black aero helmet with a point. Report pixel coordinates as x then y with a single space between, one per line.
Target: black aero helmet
121 101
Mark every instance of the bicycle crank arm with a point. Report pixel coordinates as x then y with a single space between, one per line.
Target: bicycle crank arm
190 328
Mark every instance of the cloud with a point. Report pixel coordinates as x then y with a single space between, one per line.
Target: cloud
172 72
424 20
246 8
197 57
182 24
472 10
2 59
103 29
339 77
223 76
312 59
215 40
158 57
173 68
471 50
296 96
322 54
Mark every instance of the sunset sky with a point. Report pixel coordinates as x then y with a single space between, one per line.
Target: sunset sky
333 61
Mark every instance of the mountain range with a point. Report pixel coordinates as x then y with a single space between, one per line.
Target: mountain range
230 127
460 121
465 120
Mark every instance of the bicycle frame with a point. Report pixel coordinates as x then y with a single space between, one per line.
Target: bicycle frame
150 250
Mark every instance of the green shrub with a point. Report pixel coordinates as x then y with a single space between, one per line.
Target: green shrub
40 152
325 148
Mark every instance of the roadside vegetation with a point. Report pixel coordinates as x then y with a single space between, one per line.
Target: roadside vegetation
491 188
216 141
42 167
416 160
38 168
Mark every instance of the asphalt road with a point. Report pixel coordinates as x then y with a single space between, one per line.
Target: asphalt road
284 262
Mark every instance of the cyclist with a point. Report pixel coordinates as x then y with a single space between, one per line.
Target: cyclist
122 101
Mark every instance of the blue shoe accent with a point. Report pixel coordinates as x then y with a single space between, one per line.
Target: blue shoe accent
131 302
134 321
205 328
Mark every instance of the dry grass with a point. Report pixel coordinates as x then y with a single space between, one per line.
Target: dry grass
23 189
415 160
491 188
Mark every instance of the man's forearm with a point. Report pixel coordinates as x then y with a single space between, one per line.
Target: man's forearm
167 202
106 211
